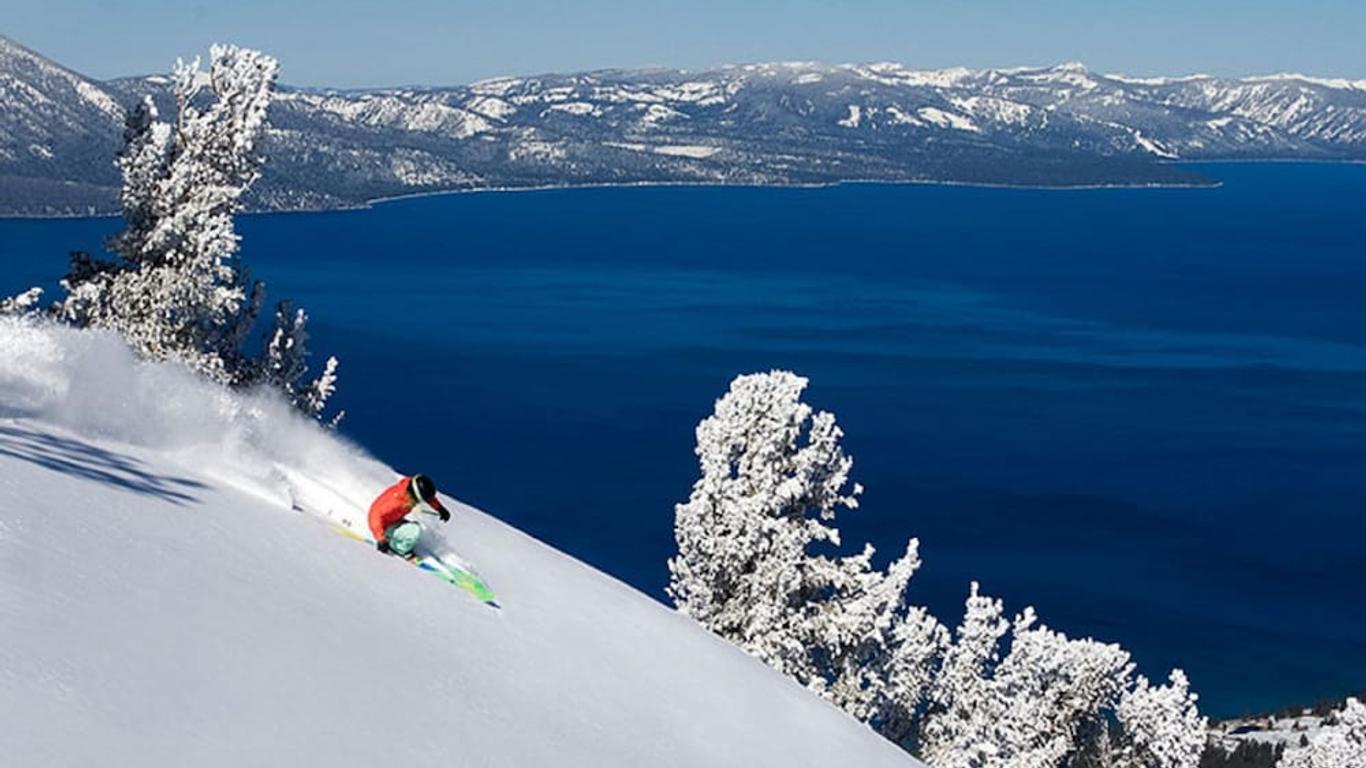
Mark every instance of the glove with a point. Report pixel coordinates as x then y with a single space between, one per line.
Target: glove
445 516
382 545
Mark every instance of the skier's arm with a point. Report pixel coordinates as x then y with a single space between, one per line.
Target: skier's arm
441 513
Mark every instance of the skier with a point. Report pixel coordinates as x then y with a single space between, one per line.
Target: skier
394 533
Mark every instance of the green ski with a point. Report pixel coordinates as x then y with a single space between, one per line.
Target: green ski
451 573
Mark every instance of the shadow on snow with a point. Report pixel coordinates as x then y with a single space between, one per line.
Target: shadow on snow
80 459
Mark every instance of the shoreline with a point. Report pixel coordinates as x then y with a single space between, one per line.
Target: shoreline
1268 161
372 202
794 185
1118 186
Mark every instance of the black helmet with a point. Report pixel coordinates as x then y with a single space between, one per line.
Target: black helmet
424 491
423 488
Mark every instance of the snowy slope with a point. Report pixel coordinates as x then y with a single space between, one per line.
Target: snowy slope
160 604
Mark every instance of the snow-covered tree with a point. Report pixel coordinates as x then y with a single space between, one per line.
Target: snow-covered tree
880 652
919 642
1159 726
177 288
754 565
1032 708
284 363
22 304
1054 691
1340 743
773 475
961 697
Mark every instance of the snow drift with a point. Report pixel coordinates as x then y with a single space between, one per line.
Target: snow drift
90 383
160 604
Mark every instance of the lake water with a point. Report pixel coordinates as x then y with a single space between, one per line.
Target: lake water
1141 411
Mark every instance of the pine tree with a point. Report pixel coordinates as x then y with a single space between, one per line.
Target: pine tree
773 473
1053 691
284 363
773 476
177 289
1034 708
995 694
881 652
961 700
1339 744
1159 726
25 303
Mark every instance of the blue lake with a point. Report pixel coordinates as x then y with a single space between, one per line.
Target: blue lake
1141 411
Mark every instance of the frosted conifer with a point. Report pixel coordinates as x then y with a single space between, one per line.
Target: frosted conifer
773 474
1159 726
994 694
961 706
178 289
284 363
22 304
1033 708
881 652
1052 691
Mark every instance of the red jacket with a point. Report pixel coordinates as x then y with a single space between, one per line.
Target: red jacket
392 505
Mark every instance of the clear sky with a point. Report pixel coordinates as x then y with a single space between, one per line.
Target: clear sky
348 43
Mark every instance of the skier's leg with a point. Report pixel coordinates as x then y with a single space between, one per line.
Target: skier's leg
403 536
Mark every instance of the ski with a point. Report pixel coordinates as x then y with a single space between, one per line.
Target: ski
451 573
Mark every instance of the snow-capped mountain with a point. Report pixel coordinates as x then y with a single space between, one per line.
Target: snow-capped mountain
58 133
789 123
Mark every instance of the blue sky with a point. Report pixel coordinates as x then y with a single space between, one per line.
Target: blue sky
349 43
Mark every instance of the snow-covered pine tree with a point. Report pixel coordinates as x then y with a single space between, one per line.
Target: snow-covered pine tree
1054 691
1158 726
284 364
880 652
999 694
1339 744
961 700
178 289
22 304
919 643
1034 708
773 473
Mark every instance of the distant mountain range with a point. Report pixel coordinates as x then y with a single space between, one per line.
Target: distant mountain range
786 123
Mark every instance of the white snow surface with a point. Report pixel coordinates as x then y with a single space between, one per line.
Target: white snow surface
948 119
160 604
697 151
579 108
1152 146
